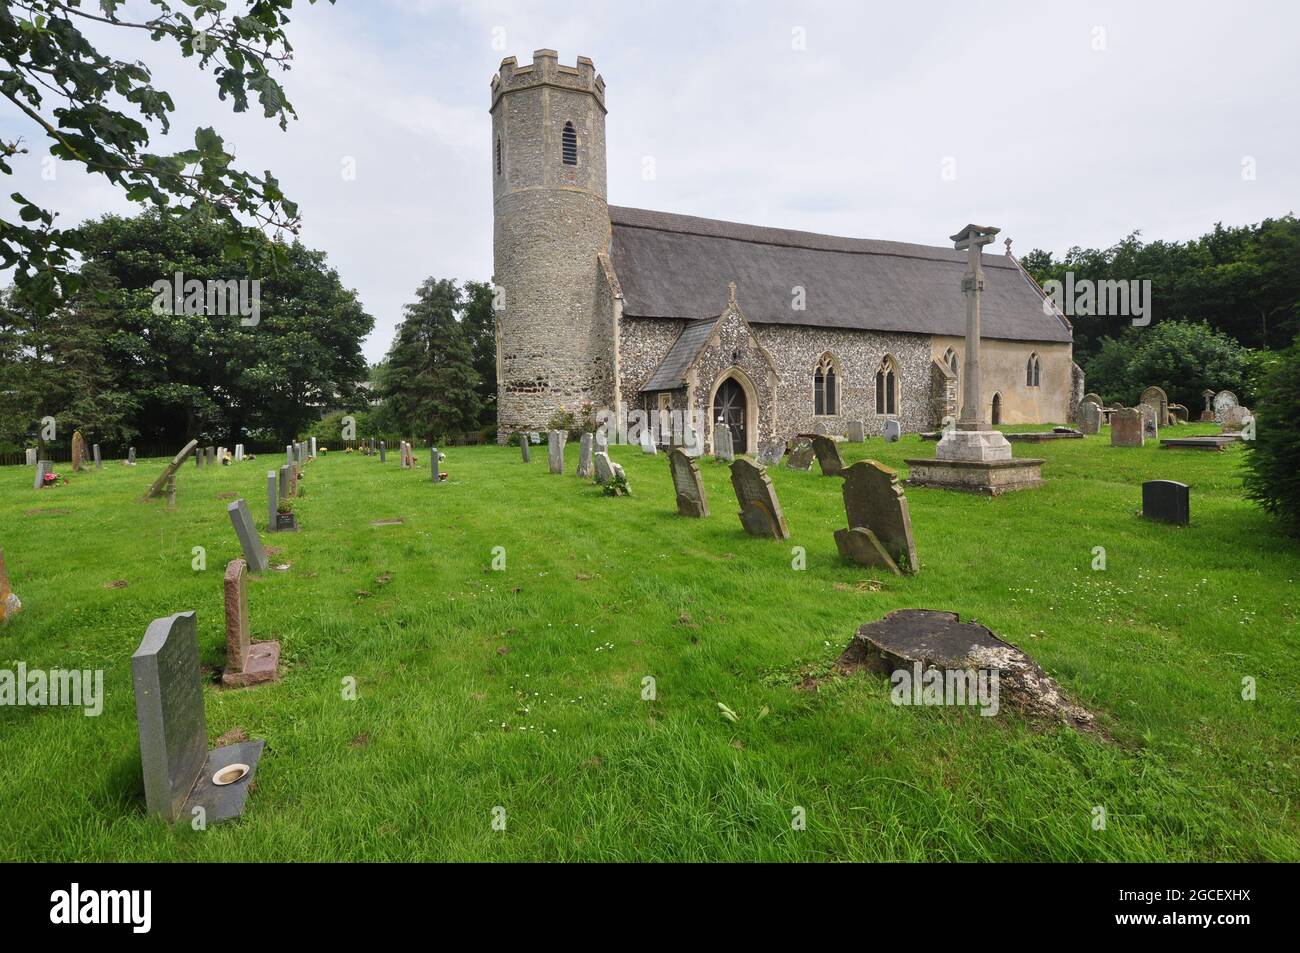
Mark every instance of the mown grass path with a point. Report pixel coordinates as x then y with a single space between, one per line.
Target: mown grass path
522 688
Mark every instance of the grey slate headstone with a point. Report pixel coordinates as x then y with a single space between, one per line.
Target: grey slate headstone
271 499
99 464
874 500
286 477
893 431
177 767
383 455
42 468
249 541
586 467
130 456
723 447
555 450
288 453
523 447
433 458
856 431
1167 501
604 469
828 455
760 511
688 484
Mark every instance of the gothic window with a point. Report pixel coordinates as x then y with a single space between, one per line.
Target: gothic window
1033 371
498 156
887 387
570 145
950 359
826 394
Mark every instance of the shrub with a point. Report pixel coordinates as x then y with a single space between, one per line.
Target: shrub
1273 457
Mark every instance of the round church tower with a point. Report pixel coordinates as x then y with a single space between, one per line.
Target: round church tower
550 221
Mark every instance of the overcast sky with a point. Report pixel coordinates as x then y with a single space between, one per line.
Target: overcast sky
1064 123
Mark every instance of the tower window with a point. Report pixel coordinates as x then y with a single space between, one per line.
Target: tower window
570 145
498 156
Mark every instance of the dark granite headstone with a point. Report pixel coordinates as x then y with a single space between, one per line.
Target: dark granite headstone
178 770
687 483
828 455
760 511
874 500
1167 501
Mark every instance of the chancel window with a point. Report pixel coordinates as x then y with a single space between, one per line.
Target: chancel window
887 387
569 145
1033 371
826 394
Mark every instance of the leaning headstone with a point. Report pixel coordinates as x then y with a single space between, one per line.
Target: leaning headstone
247 662
31 456
158 485
801 455
587 447
856 431
555 450
723 447
1224 401
523 447
99 464
770 453
249 541
42 470
1126 428
78 451
604 468
892 430
688 484
760 511
181 777
880 525
1089 415
1150 421
828 455
1166 501
10 604
1178 414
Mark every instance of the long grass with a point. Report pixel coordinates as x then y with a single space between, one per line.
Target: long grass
523 688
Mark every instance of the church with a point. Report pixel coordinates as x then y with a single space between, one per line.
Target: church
773 332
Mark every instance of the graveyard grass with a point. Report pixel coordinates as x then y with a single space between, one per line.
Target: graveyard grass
522 688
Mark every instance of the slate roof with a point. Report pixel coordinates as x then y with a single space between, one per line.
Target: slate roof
678 266
671 372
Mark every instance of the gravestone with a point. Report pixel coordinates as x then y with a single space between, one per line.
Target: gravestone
404 461
288 453
239 453
892 431
585 450
271 498
880 525
130 456
801 455
285 491
1091 398
293 479
523 448
198 459
1150 423
856 431
170 470
1156 398
247 662
312 448
1235 418
1178 414
10 604
555 450
1166 501
688 484
760 511
602 440
383 452
648 441
693 440
249 541
770 453
31 456
78 451
723 448
212 456
1089 415
1126 428
1224 402
828 455
42 469
180 774
1208 413
604 469
435 460
99 464
535 437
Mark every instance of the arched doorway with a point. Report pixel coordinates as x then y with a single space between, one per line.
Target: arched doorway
731 407
997 410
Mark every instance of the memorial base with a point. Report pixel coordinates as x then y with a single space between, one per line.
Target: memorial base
261 664
223 802
991 478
